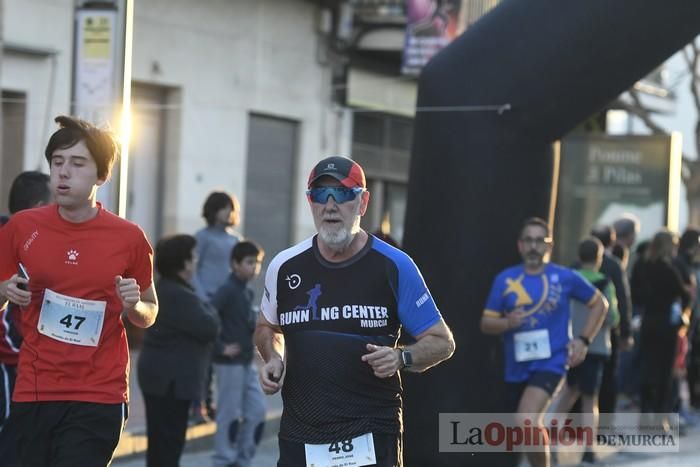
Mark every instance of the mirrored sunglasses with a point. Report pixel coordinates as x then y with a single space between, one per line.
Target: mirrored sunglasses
340 194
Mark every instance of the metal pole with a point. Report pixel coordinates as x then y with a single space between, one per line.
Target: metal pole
125 123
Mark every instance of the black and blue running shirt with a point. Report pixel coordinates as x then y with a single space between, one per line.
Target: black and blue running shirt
328 313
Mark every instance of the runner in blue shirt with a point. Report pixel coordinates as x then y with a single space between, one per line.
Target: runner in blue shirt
529 304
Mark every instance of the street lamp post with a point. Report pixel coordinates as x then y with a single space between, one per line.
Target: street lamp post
102 81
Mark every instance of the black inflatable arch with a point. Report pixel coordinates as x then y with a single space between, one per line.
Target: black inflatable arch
476 175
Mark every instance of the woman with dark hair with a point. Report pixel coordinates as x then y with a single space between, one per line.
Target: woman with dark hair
175 354
663 298
221 212
215 242
623 254
688 248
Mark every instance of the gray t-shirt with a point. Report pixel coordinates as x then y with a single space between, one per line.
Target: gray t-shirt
600 344
214 245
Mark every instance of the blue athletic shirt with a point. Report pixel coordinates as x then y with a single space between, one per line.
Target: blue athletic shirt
546 299
328 313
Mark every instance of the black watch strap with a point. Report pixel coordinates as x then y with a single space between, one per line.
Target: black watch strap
406 358
585 340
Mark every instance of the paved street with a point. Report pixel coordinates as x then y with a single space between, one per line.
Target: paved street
267 457
689 456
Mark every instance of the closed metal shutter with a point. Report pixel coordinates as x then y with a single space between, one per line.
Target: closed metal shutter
272 148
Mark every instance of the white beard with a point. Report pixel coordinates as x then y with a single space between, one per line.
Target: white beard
336 240
340 239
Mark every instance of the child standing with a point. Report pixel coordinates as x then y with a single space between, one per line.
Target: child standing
240 411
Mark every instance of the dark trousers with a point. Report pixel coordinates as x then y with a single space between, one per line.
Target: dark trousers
8 432
67 433
607 397
658 352
166 426
656 398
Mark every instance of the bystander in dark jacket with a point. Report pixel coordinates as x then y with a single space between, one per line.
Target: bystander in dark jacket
612 268
176 349
685 263
663 297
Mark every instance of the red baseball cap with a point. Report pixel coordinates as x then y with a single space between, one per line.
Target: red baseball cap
345 170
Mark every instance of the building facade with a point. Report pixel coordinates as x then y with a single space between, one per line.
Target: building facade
242 96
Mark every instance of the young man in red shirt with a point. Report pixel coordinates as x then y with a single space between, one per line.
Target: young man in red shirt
86 267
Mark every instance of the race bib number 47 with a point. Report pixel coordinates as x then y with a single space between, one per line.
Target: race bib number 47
354 452
71 320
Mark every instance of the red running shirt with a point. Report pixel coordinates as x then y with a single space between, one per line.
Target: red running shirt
79 260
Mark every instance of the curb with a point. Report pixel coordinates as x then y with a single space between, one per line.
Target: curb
132 445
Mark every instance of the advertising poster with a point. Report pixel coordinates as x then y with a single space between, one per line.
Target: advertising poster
602 177
430 26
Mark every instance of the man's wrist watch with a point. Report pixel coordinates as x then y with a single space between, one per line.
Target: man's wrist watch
406 358
585 340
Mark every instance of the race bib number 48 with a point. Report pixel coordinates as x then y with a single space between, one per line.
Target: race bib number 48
71 320
354 452
532 345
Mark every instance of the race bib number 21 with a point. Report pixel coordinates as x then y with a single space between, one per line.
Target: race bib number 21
532 345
